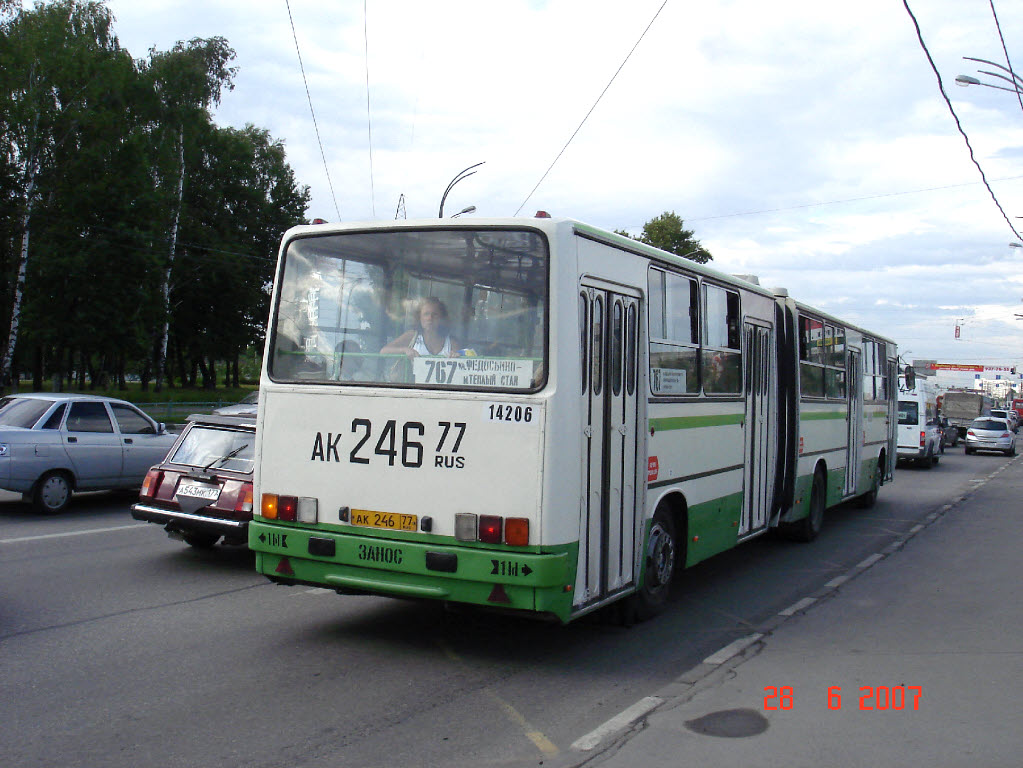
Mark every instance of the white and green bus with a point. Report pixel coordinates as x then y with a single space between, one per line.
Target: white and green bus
539 416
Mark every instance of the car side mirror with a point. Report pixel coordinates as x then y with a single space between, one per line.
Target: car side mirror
161 428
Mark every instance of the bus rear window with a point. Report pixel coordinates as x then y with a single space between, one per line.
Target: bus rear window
452 309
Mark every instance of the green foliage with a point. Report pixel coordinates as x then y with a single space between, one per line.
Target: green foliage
91 149
668 233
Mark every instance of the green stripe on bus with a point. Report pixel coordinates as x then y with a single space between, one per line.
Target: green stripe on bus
821 415
695 422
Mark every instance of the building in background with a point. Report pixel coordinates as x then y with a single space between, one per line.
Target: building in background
1001 382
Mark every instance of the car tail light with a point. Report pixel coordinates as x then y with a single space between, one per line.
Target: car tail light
1006 434
923 438
244 500
150 485
971 433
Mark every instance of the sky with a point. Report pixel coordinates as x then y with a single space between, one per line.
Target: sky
804 142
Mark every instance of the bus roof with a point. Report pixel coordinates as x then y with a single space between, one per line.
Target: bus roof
550 225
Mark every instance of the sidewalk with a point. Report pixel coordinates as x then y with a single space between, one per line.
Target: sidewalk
939 614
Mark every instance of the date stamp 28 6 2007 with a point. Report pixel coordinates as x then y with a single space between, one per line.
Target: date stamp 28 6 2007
871 697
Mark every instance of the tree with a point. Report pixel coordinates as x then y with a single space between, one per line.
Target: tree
188 80
668 233
52 86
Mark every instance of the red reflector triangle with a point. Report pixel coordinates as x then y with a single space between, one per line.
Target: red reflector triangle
498 595
284 567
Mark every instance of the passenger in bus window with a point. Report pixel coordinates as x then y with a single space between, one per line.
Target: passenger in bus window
347 361
430 338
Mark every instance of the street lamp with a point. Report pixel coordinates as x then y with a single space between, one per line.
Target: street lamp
1014 80
467 209
463 174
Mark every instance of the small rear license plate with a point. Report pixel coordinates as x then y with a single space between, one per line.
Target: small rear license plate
391 521
196 491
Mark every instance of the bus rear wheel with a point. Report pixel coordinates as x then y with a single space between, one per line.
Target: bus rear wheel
869 499
660 562
810 526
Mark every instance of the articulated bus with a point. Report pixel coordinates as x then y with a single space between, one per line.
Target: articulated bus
538 416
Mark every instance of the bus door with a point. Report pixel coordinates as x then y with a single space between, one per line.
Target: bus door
892 397
854 390
760 426
609 524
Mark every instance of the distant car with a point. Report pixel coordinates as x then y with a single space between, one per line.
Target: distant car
53 444
949 432
247 405
1009 416
990 434
203 490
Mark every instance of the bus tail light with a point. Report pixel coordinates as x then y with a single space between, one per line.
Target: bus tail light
491 529
149 486
290 509
465 526
516 531
307 509
287 508
268 506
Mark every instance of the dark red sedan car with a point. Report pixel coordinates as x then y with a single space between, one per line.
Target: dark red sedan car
202 491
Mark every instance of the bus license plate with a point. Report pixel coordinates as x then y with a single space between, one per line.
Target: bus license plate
391 521
207 492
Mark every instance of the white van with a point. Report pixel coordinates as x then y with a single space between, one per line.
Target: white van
920 437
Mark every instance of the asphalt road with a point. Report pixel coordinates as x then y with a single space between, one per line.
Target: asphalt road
121 647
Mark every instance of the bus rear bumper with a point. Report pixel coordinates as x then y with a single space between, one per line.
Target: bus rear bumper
356 563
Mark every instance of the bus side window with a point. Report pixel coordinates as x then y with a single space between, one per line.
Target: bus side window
673 312
584 332
722 358
597 341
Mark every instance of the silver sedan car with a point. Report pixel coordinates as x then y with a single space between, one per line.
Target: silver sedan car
990 434
53 444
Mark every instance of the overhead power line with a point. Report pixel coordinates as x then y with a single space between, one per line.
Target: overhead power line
998 26
579 127
312 112
948 103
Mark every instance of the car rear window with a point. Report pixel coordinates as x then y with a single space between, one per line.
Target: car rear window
204 446
22 411
990 424
909 412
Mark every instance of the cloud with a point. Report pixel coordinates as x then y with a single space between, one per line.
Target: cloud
804 141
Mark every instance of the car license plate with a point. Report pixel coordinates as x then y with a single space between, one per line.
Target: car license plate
391 521
196 491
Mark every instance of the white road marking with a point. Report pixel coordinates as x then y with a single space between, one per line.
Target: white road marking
72 533
618 723
733 649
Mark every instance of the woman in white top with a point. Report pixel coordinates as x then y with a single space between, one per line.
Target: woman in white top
430 338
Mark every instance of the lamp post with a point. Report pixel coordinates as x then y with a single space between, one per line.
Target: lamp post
1012 79
463 174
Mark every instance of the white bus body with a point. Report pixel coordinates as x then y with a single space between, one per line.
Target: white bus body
616 412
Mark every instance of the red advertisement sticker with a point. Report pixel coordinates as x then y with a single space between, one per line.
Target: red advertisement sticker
651 469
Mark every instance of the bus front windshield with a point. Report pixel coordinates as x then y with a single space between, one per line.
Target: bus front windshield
462 309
